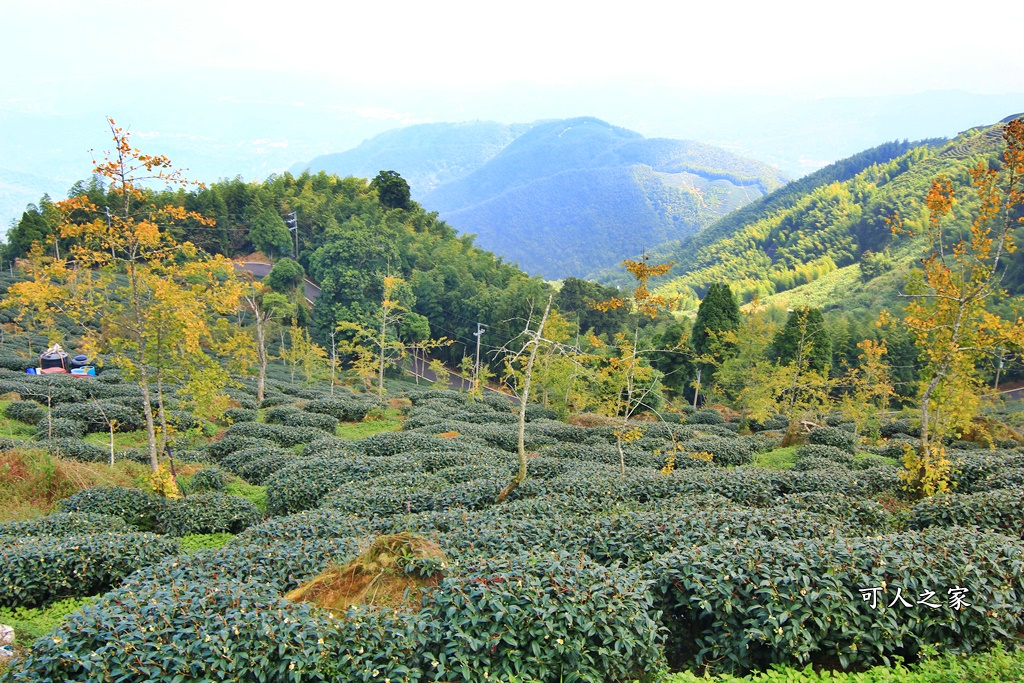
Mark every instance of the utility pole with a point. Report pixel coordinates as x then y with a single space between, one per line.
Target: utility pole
696 389
293 226
476 368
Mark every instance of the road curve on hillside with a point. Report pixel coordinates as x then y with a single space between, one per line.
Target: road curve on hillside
260 269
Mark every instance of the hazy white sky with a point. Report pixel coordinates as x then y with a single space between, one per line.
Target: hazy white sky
812 48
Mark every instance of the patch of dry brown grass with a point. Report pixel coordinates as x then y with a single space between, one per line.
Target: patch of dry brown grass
376 578
33 482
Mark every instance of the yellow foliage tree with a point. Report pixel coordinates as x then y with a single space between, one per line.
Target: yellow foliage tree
948 313
124 271
625 380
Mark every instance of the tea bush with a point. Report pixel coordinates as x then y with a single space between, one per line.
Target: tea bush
301 486
40 569
208 513
279 434
220 449
29 412
741 605
60 428
835 437
859 516
208 479
299 418
95 415
66 524
390 443
837 456
341 409
1000 510
257 469
726 451
708 416
233 415
138 508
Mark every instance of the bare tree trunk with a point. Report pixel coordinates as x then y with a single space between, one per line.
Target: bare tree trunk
147 409
160 409
380 370
527 377
261 354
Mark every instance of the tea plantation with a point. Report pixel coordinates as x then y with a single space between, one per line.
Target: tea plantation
712 565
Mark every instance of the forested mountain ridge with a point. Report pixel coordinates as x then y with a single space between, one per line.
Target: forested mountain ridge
564 197
427 155
827 221
348 241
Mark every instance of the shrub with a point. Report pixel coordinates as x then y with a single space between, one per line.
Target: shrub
208 513
859 515
223 447
277 413
66 524
279 434
40 569
708 416
891 428
138 508
60 428
29 412
299 418
208 479
726 451
1000 510
745 604
95 414
75 449
302 485
833 436
342 409
390 443
831 454
256 469
775 423
183 420
233 415
553 617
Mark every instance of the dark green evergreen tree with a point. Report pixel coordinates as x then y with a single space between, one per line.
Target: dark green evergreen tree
392 190
31 228
803 339
285 276
270 234
718 312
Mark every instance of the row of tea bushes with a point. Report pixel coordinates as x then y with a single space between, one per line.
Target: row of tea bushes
997 510
66 524
211 616
38 570
741 605
205 513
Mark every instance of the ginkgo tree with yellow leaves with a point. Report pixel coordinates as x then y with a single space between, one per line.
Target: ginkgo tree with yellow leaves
141 297
624 381
949 314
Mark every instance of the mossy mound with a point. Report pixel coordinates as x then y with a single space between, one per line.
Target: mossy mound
393 573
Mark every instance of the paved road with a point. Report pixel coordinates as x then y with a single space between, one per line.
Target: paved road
312 289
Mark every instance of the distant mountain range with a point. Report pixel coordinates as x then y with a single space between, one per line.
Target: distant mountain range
565 197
